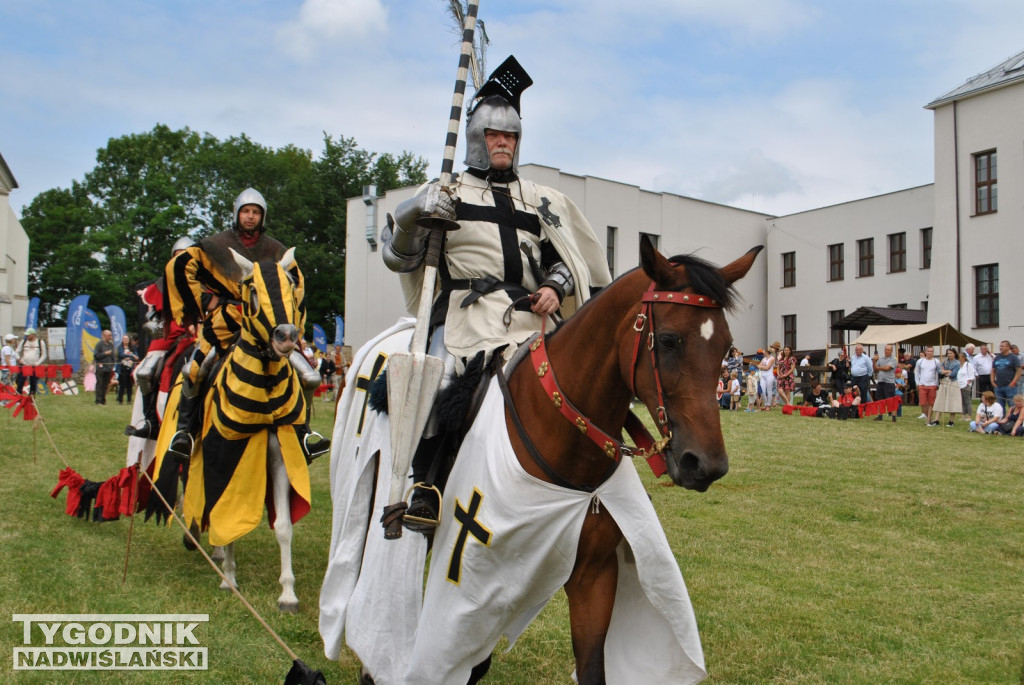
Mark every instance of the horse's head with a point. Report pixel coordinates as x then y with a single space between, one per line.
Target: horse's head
270 310
680 358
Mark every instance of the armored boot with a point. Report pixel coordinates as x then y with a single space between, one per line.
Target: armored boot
313 444
183 442
150 427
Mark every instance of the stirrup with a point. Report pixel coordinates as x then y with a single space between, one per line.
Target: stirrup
322 447
178 454
422 519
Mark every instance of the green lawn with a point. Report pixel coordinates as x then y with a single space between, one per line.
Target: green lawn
833 552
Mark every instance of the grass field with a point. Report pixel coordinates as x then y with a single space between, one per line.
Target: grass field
833 552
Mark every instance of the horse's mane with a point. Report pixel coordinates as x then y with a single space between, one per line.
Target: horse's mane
706 279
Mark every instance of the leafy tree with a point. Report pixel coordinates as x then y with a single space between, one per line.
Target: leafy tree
116 228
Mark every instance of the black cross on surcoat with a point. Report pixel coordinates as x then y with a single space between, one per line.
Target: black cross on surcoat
363 383
470 526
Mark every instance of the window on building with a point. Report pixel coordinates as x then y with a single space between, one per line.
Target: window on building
835 262
789 331
986 191
897 252
865 257
788 269
610 248
654 238
835 334
902 305
926 248
924 305
986 295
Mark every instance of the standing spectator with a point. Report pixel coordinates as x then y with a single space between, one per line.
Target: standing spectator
989 413
861 370
8 358
840 372
104 355
31 352
1005 374
734 362
752 382
965 377
983 368
340 369
327 370
909 383
126 360
926 371
766 383
901 388
885 387
1020 382
785 372
734 390
948 397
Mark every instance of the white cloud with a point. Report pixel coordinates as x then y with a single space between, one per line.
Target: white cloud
322 23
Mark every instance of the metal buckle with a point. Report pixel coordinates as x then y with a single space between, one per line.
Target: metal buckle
640 323
662 415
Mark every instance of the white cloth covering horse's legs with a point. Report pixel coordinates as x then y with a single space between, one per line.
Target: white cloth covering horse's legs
287 602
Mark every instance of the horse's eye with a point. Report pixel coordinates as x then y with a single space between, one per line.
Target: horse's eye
670 341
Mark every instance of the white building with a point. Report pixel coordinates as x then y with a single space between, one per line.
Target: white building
949 248
14 254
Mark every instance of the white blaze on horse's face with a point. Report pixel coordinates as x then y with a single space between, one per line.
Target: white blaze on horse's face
707 329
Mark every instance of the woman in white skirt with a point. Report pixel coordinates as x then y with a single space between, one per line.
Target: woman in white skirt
948 398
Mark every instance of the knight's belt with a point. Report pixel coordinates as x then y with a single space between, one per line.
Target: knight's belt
479 287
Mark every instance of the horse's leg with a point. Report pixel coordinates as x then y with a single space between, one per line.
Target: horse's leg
591 594
287 602
217 554
228 567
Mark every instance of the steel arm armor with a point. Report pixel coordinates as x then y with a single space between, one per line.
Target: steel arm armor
561 280
405 243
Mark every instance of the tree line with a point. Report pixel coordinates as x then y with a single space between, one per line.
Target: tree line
114 229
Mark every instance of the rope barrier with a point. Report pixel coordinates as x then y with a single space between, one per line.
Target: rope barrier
40 422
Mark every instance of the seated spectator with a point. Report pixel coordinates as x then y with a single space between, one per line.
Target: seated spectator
846 406
819 399
989 413
722 393
1008 425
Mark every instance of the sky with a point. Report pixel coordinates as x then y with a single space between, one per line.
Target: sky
778 106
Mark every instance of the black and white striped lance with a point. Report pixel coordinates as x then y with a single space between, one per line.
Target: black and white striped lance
469 28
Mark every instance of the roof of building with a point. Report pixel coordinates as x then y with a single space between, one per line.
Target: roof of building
1009 71
5 173
874 316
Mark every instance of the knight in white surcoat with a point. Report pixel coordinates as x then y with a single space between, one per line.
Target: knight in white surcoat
522 251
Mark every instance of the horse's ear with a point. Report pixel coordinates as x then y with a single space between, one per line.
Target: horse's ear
652 262
244 264
738 269
288 259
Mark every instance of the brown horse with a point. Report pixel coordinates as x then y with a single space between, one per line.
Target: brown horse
658 333
667 354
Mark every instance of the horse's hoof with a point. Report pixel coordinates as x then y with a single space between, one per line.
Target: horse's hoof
189 545
224 585
364 677
288 607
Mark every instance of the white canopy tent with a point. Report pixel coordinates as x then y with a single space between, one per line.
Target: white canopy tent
940 334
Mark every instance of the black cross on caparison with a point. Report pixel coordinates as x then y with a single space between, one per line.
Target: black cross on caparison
470 526
363 383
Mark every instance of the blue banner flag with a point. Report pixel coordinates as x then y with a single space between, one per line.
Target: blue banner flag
339 330
117 322
319 338
32 316
73 341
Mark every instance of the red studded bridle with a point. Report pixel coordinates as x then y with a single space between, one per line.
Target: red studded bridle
613 447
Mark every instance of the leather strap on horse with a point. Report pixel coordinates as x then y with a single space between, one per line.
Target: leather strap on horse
613 448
